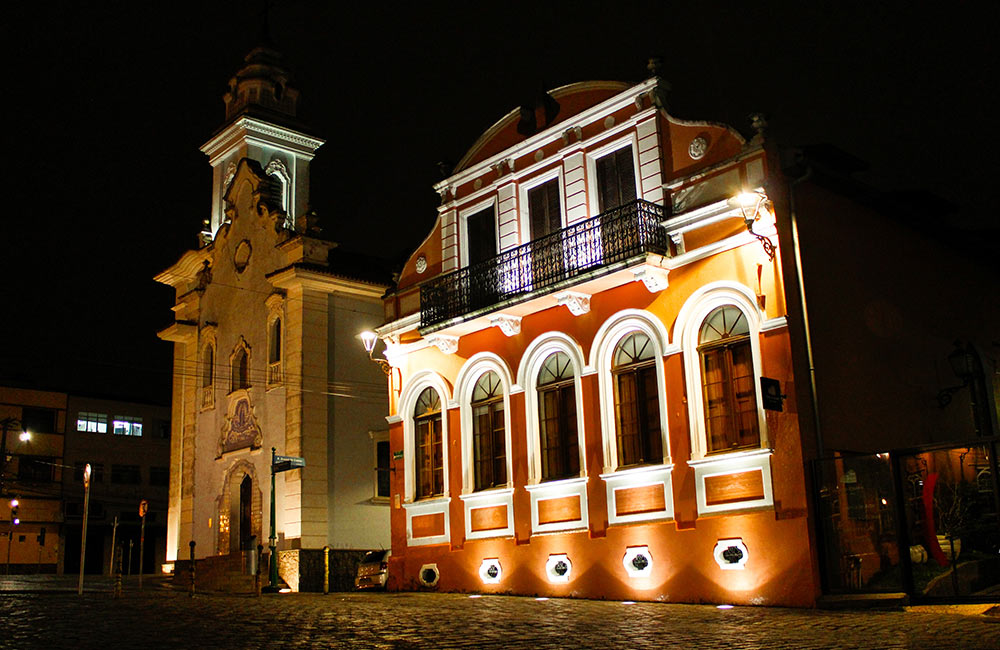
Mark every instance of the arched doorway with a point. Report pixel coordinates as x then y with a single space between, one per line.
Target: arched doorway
239 510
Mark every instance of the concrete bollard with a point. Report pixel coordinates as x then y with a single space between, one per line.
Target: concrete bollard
326 569
118 575
191 544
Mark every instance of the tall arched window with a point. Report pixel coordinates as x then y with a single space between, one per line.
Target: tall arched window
429 450
240 369
728 381
274 352
489 437
637 403
560 448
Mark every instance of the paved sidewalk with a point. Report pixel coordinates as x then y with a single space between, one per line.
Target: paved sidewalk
161 617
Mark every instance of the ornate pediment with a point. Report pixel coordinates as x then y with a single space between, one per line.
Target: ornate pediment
240 429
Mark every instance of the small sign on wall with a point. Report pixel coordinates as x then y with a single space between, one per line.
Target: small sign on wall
771 391
397 455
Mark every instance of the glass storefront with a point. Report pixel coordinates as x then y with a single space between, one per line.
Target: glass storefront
924 522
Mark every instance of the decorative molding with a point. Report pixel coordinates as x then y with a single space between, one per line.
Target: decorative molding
654 279
421 264
774 323
698 147
230 175
578 303
568 134
240 430
508 324
447 344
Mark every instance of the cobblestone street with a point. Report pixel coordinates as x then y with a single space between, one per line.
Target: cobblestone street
162 618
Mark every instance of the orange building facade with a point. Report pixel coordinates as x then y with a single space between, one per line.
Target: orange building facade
590 362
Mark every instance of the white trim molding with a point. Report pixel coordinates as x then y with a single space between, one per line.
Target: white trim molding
651 476
427 507
732 465
489 499
478 365
608 336
689 320
407 401
550 490
527 377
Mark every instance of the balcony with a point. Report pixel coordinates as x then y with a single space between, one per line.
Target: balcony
591 248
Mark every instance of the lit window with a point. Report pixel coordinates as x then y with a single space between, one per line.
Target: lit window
557 418
489 436
637 402
429 448
727 379
92 422
124 425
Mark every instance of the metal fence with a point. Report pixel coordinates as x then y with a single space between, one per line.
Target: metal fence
597 243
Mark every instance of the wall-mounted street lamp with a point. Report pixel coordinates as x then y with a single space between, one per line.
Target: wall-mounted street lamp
369 338
963 362
751 205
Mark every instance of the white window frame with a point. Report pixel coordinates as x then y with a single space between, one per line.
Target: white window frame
608 336
531 364
689 321
477 366
463 227
522 196
629 139
407 402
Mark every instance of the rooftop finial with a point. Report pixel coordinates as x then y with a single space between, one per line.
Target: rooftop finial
759 123
654 65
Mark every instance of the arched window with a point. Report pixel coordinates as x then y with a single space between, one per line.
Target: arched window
274 352
489 437
559 443
207 366
429 457
728 381
637 402
240 369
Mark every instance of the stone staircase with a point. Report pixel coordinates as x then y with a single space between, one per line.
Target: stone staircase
226 573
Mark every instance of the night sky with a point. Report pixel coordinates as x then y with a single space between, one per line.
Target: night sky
108 103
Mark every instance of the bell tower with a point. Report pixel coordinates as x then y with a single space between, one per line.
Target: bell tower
262 125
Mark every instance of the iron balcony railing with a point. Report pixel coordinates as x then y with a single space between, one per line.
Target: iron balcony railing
591 246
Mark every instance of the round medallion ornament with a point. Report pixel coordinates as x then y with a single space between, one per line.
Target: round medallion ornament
478 184
539 155
698 147
490 571
241 259
559 568
421 264
609 121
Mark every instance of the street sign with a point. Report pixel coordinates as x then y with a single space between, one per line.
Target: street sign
285 463
143 507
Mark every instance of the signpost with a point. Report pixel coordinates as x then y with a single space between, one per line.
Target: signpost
83 534
143 508
278 464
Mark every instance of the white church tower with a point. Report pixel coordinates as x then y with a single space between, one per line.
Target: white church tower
266 355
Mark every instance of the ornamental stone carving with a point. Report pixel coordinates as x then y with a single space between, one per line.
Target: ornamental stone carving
509 325
698 147
577 303
447 344
421 264
654 279
240 429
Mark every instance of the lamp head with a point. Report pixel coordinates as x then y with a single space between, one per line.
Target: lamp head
368 338
25 436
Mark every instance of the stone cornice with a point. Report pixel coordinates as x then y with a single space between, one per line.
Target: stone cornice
294 276
248 128
179 332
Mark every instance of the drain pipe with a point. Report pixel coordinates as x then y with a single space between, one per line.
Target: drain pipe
820 448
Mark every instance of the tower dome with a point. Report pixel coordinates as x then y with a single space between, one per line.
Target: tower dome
261 86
